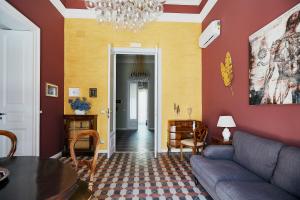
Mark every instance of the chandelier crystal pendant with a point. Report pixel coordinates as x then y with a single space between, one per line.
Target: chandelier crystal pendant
129 14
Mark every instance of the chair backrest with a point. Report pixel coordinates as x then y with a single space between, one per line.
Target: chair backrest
13 139
91 164
200 133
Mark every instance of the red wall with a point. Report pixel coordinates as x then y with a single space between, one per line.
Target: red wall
51 24
239 19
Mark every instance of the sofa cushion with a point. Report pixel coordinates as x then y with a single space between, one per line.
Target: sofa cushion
287 172
257 154
240 190
213 171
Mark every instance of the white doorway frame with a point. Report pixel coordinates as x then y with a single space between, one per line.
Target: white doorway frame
12 19
156 52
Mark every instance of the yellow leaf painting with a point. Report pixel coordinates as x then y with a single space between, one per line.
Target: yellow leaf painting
227 72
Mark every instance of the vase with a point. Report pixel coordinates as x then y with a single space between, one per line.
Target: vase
79 112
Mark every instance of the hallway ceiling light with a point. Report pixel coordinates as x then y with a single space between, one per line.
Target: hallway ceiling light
138 73
129 14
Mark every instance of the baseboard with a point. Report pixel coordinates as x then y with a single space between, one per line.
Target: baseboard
176 150
102 151
151 129
56 156
126 129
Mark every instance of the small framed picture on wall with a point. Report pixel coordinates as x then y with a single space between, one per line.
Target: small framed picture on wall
93 92
51 90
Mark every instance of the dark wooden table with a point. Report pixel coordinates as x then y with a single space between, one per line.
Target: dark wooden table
33 178
218 140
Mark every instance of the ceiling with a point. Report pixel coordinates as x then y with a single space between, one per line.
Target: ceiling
193 11
171 6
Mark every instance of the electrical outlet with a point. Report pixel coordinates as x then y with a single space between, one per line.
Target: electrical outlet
101 141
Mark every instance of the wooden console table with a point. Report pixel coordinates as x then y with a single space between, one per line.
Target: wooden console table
74 124
183 130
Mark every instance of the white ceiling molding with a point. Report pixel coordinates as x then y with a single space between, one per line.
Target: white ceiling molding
180 17
165 17
10 18
59 6
207 8
184 2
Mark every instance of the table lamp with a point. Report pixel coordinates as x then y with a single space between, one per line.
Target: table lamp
226 122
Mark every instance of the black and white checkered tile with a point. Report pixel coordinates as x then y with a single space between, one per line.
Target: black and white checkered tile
141 176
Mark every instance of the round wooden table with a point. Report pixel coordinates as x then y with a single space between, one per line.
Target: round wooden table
34 178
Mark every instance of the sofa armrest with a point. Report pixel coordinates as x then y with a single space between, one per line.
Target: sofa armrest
222 152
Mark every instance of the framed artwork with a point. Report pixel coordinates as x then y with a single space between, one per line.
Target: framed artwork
51 90
93 92
74 92
274 68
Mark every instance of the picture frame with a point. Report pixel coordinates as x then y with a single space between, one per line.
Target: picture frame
51 90
93 92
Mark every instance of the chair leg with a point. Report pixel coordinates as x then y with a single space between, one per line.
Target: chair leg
181 155
194 150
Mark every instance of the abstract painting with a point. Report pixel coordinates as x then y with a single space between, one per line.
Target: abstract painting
274 71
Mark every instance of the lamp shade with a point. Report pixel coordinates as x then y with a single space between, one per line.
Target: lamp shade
226 121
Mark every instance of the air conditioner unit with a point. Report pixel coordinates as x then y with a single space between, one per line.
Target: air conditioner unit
212 31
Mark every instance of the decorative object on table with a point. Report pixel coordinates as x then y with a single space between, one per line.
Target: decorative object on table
80 106
227 72
93 92
189 111
51 90
4 173
13 140
129 14
226 122
274 75
176 109
74 92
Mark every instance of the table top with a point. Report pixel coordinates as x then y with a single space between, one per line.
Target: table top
34 178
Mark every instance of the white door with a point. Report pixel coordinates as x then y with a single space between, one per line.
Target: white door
111 111
16 90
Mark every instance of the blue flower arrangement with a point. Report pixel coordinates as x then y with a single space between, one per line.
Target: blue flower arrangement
80 104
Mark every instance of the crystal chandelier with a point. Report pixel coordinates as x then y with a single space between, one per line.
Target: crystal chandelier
129 14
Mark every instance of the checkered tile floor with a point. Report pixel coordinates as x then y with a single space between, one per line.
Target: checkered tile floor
141 176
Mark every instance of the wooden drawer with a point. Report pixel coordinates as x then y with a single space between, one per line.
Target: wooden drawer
180 136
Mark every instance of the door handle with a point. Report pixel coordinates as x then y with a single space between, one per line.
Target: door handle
2 114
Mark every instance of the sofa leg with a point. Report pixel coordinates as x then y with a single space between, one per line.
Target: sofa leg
195 180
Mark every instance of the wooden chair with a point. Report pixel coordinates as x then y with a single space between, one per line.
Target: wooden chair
90 163
13 140
197 142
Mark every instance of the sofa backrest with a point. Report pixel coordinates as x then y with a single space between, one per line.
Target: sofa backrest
287 171
257 154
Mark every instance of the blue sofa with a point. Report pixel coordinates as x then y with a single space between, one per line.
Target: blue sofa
253 168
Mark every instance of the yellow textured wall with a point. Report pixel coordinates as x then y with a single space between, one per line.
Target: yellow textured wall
86 65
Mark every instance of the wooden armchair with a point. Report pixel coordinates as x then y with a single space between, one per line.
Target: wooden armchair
90 163
13 140
197 142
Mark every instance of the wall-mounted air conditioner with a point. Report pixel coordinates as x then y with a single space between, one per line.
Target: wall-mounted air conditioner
212 31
